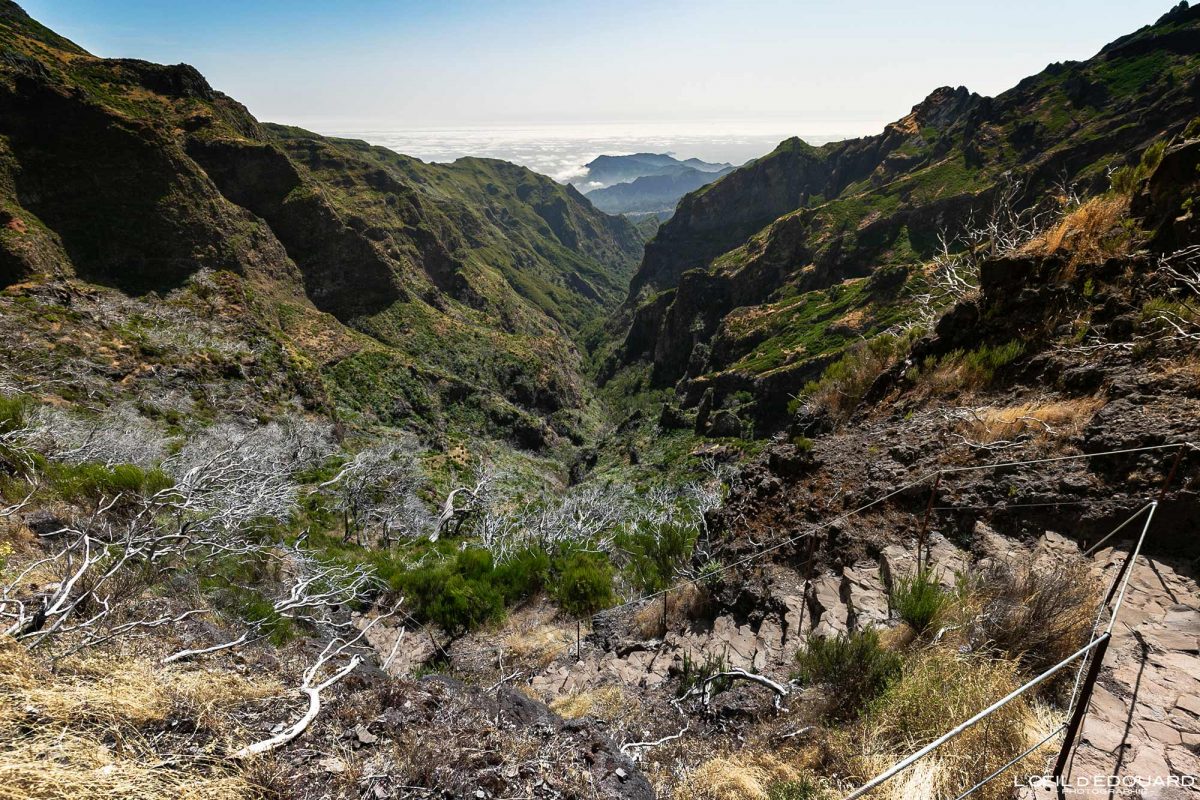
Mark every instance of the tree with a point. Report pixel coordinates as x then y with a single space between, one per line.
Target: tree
658 553
583 588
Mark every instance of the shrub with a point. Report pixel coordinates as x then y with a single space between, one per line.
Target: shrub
1127 179
975 369
693 674
844 382
1034 614
657 552
853 667
918 598
583 585
13 412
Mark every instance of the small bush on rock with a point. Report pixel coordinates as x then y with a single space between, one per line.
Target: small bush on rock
854 668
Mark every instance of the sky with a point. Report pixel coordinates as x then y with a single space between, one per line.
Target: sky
849 66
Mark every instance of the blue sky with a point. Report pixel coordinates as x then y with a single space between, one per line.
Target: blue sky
849 66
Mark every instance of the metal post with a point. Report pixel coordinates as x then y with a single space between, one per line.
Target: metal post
1077 715
1170 475
925 523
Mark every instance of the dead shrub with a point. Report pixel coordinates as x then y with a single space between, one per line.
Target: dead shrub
683 605
1035 614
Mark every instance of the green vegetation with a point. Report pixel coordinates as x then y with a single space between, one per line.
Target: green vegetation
806 788
470 589
845 382
1127 179
583 587
854 669
918 598
693 674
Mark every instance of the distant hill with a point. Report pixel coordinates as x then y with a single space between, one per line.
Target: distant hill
604 171
653 193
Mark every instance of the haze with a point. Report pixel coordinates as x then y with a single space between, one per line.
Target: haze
843 68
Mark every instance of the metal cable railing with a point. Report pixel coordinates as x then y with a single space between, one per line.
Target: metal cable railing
1081 692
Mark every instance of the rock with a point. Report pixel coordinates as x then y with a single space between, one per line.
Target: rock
364 736
332 765
724 424
672 418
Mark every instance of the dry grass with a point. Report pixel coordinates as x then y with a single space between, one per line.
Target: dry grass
1051 419
940 689
65 765
1090 234
740 776
92 729
606 703
1037 614
684 604
540 644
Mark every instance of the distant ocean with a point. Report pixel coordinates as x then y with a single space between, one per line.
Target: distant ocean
560 151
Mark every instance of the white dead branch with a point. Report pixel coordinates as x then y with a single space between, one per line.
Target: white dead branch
635 750
781 691
335 650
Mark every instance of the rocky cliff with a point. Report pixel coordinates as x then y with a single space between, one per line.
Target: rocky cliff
475 278
724 297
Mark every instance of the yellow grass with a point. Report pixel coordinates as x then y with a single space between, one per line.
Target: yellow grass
1058 418
605 702
940 689
89 729
741 776
1091 233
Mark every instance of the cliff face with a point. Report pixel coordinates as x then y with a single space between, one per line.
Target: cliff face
723 297
140 177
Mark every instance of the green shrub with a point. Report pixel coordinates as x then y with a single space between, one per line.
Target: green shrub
853 667
583 585
467 590
802 443
984 362
1127 179
693 674
13 413
522 575
90 481
229 585
918 599
845 382
806 788
657 552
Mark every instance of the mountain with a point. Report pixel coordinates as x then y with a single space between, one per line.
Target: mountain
605 171
306 489
652 193
757 282
438 296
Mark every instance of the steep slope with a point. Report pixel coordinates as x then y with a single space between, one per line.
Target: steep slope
751 286
463 283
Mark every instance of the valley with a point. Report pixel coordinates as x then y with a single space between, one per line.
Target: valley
330 472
